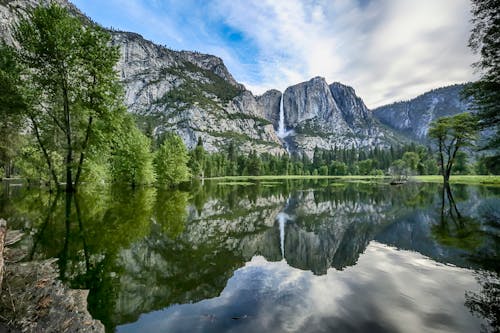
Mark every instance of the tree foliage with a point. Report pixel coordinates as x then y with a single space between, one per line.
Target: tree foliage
69 84
452 134
485 40
171 161
131 159
11 107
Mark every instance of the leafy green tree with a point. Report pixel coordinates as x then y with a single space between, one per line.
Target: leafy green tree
338 168
411 160
365 166
452 134
485 41
323 170
132 160
12 105
399 170
171 161
69 82
430 167
461 166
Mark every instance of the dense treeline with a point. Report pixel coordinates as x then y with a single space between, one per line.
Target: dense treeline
405 160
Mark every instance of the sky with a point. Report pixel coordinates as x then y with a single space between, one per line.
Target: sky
387 50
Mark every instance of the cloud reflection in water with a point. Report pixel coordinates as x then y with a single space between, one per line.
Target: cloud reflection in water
387 290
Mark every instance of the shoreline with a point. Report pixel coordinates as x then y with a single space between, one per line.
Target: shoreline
33 299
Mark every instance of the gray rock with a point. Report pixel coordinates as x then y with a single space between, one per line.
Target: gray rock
312 100
412 118
354 110
269 103
326 117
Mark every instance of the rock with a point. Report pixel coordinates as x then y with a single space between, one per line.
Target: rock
312 100
211 63
269 103
34 300
412 118
353 109
329 116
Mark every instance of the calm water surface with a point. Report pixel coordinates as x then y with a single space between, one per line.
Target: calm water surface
278 256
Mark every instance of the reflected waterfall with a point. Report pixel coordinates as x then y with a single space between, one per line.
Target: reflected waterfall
282 219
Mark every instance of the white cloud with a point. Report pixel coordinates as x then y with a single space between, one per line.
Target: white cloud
387 50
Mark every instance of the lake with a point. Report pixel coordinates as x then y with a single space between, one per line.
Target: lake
273 256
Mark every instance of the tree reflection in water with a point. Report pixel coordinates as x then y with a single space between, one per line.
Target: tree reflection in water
144 250
482 242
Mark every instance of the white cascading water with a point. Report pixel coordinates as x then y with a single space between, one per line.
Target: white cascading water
281 125
282 219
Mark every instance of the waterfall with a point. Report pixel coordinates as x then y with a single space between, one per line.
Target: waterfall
282 133
282 219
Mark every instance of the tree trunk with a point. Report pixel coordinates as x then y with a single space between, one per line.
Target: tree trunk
44 151
3 231
69 155
446 176
82 153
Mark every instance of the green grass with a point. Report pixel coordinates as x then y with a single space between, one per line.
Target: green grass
291 177
469 179
459 179
235 183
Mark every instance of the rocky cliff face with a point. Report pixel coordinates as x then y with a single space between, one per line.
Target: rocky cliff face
192 94
269 103
353 109
189 93
328 116
412 118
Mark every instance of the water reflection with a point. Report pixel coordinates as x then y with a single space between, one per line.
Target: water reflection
268 296
218 250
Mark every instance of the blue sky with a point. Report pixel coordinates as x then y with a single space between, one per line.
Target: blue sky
388 50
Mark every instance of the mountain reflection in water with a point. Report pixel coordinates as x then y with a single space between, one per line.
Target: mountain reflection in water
359 257
387 290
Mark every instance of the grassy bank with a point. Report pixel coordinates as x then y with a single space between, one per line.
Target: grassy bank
469 179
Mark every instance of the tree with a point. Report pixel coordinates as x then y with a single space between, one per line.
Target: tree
461 165
131 160
69 83
253 164
11 107
171 161
411 160
365 166
197 159
485 40
452 134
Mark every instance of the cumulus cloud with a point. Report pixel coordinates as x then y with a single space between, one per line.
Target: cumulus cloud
388 50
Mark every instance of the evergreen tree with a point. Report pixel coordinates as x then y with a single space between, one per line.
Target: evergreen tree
485 40
197 159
